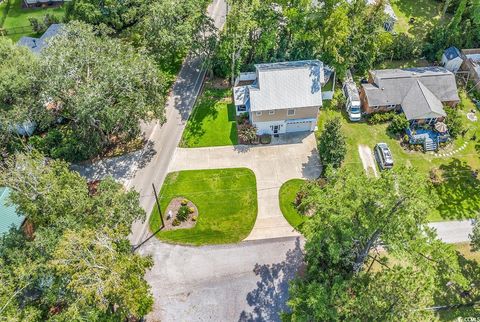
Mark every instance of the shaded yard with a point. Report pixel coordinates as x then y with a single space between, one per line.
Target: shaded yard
458 193
226 201
213 121
14 17
425 13
469 262
288 193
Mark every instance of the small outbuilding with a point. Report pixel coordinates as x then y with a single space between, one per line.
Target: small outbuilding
452 59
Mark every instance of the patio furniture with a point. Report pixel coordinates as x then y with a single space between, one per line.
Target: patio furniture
441 127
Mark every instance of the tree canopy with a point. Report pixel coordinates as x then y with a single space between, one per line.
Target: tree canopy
369 252
117 15
85 90
343 34
78 264
462 31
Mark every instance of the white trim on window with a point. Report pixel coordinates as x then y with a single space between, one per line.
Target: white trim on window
272 112
289 112
258 113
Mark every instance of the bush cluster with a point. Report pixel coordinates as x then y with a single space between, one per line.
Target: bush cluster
378 118
398 125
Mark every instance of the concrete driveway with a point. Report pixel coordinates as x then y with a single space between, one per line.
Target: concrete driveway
241 282
273 165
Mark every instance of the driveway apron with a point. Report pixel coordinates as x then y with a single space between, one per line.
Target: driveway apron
273 165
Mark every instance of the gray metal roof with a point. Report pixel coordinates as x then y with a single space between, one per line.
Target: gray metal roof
391 86
287 85
37 44
8 214
240 95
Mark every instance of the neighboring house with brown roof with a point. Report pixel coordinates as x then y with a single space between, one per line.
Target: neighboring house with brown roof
284 97
419 92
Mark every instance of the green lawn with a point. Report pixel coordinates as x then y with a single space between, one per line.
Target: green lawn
425 12
15 16
213 121
459 194
288 192
226 201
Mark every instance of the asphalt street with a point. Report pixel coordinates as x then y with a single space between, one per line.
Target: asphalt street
154 166
242 282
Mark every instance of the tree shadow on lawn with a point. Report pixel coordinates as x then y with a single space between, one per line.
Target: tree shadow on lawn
232 117
270 297
455 296
460 191
206 109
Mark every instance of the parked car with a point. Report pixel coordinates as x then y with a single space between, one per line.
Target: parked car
383 156
352 98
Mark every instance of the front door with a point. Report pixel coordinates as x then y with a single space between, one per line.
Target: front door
275 129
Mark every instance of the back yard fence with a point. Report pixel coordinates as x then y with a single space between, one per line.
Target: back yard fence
16 30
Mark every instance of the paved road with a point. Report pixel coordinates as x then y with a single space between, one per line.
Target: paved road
165 138
241 282
453 231
273 165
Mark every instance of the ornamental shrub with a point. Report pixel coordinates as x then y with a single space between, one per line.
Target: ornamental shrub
183 213
380 117
399 124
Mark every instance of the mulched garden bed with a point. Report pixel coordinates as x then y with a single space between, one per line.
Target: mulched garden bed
171 213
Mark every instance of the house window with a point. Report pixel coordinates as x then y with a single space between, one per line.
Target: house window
375 107
241 108
258 113
391 106
291 112
271 112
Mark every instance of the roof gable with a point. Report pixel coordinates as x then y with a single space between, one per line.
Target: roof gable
37 44
421 103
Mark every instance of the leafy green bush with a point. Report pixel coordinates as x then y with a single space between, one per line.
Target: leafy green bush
191 210
399 124
454 122
331 146
183 213
184 202
175 222
378 118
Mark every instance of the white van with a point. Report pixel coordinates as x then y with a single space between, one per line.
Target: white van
353 98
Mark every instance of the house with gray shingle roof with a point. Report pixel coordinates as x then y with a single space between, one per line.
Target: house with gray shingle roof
37 44
419 92
283 97
9 217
